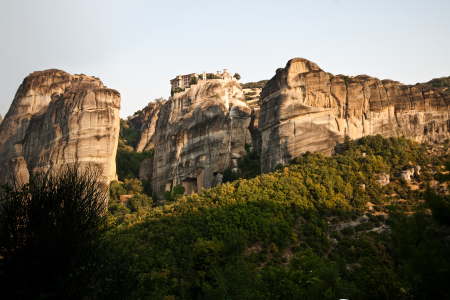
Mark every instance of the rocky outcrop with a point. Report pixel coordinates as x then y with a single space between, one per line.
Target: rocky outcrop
407 174
198 134
384 179
57 118
146 169
146 122
1 119
305 109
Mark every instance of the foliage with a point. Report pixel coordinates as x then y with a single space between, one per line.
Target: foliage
420 243
133 186
160 101
267 236
442 83
50 235
249 166
237 76
194 80
254 85
127 160
177 190
212 76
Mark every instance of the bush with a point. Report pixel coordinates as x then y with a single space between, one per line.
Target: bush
334 221
194 80
335 235
364 226
296 249
347 231
51 232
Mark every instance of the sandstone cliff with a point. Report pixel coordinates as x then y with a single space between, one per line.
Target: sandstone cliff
146 122
198 135
304 109
57 118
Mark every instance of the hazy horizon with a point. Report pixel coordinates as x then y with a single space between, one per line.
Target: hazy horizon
136 47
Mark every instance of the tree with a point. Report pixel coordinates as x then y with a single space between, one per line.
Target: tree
116 190
133 186
50 235
140 202
160 101
237 76
177 190
194 80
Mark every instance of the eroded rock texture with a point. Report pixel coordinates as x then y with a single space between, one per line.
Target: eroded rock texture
198 135
57 118
146 122
304 109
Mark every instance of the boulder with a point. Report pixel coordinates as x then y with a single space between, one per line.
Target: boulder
384 179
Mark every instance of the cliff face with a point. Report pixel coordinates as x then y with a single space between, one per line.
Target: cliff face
57 118
304 109
197 136
146 122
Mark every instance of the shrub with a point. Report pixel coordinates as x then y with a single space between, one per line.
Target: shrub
51 232
347 231
194 80
364 226
334 221
296 249
335 235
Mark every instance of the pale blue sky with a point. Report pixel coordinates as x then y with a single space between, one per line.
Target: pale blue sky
136 46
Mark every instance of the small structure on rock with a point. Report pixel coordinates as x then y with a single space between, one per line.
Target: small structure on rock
125 198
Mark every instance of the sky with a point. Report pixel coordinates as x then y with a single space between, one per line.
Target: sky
136 46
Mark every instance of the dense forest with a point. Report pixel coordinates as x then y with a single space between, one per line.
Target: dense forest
317 228
302 232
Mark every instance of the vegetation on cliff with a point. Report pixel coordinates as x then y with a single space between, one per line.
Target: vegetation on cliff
442 83
127 160
254 85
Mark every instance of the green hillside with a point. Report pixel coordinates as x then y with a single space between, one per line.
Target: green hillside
269 237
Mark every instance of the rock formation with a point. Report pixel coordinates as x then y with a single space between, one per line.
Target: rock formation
407 174
146 122
1 119
199 133
57 118
146 169
304 109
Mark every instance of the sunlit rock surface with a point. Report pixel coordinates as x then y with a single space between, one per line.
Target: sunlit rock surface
304 109
198 133
57 118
